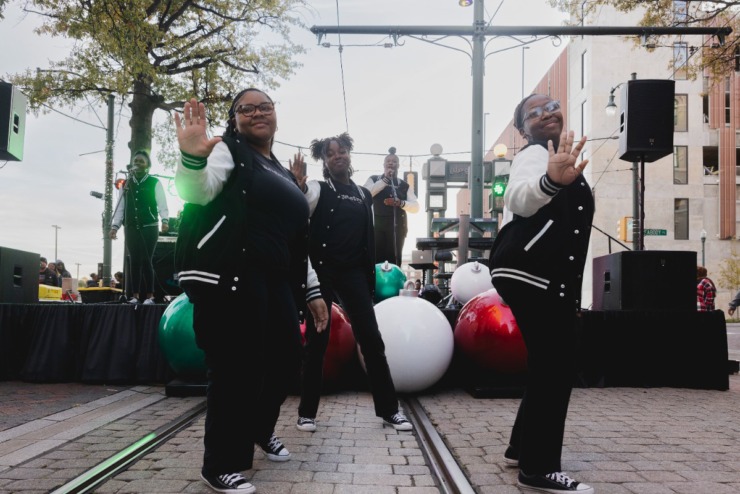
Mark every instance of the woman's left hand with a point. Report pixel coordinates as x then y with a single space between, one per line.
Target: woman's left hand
297 167
561 167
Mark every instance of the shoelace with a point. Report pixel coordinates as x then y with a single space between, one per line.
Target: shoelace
274 443
231 478
398 418
560 478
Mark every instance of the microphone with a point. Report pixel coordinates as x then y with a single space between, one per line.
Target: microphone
393 185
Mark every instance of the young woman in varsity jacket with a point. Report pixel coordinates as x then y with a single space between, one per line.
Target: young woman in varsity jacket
242 259
537 265
343 254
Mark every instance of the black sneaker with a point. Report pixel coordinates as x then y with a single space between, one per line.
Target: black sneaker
510 458
554 483
306 424
274 449
229 482
398 422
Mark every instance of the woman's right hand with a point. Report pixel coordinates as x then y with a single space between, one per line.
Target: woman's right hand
562 167
191 130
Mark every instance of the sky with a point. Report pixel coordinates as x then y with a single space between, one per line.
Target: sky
409 96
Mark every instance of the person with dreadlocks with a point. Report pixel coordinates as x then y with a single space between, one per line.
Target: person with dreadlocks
242 260
393 198
342 249
537 263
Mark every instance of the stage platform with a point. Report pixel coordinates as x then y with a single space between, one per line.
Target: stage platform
118 343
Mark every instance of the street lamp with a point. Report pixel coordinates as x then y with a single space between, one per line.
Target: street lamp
56 238
703 237
611 106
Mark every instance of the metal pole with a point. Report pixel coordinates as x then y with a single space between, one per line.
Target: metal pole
475 178
108 208
635 198
56 238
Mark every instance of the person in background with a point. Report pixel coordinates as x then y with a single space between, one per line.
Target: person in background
61 271
537 263
342 252
417 286
392 199
47 276
117 280
242 259
706 292
140 206
94 281
734 303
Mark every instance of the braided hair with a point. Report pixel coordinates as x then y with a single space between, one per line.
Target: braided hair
319 148
231 129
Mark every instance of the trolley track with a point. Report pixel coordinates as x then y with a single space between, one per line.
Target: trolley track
443 467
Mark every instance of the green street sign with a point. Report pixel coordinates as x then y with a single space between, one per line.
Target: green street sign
654 231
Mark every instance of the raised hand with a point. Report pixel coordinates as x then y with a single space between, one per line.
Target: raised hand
561 167
297 166
191 130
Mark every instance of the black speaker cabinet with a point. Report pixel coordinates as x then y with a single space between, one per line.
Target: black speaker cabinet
645 280
165 281
646 119
19 276
12 122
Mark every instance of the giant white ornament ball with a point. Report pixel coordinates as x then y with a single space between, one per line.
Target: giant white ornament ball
419 341
469 280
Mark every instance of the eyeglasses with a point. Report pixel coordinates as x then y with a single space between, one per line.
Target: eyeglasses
537 111
248 110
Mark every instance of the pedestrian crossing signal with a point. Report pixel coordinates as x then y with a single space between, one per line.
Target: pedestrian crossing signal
499 185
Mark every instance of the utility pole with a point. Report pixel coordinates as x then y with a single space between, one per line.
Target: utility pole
56 238
478 33
108 208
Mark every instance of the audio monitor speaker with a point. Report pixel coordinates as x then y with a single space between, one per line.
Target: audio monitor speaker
12 122
19 276
645 280
646 119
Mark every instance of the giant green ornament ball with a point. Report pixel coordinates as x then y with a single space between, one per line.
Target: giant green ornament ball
389 279
177 339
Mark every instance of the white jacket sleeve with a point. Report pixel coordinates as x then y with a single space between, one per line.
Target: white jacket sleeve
201 184
161 198
313 288
524 194
313 193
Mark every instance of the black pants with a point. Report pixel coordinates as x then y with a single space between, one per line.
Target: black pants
548 325
140 245
252 344
389 239
350 286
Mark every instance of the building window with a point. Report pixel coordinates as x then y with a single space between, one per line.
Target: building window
681 165
681 219
680 60
584 123
680 10
680 113
583 69
727 101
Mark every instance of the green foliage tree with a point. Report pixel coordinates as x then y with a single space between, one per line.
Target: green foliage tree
729 271
718 59
158 54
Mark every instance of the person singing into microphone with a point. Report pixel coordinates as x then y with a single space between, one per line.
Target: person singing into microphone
392 199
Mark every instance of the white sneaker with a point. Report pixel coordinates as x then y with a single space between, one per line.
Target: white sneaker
133 300
553 483
149 301
229 482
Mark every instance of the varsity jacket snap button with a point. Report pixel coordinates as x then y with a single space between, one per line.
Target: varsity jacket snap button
571 258
580 208
233 288
303 285
576 232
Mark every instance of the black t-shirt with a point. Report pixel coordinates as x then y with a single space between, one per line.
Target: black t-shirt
278 213
347 242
